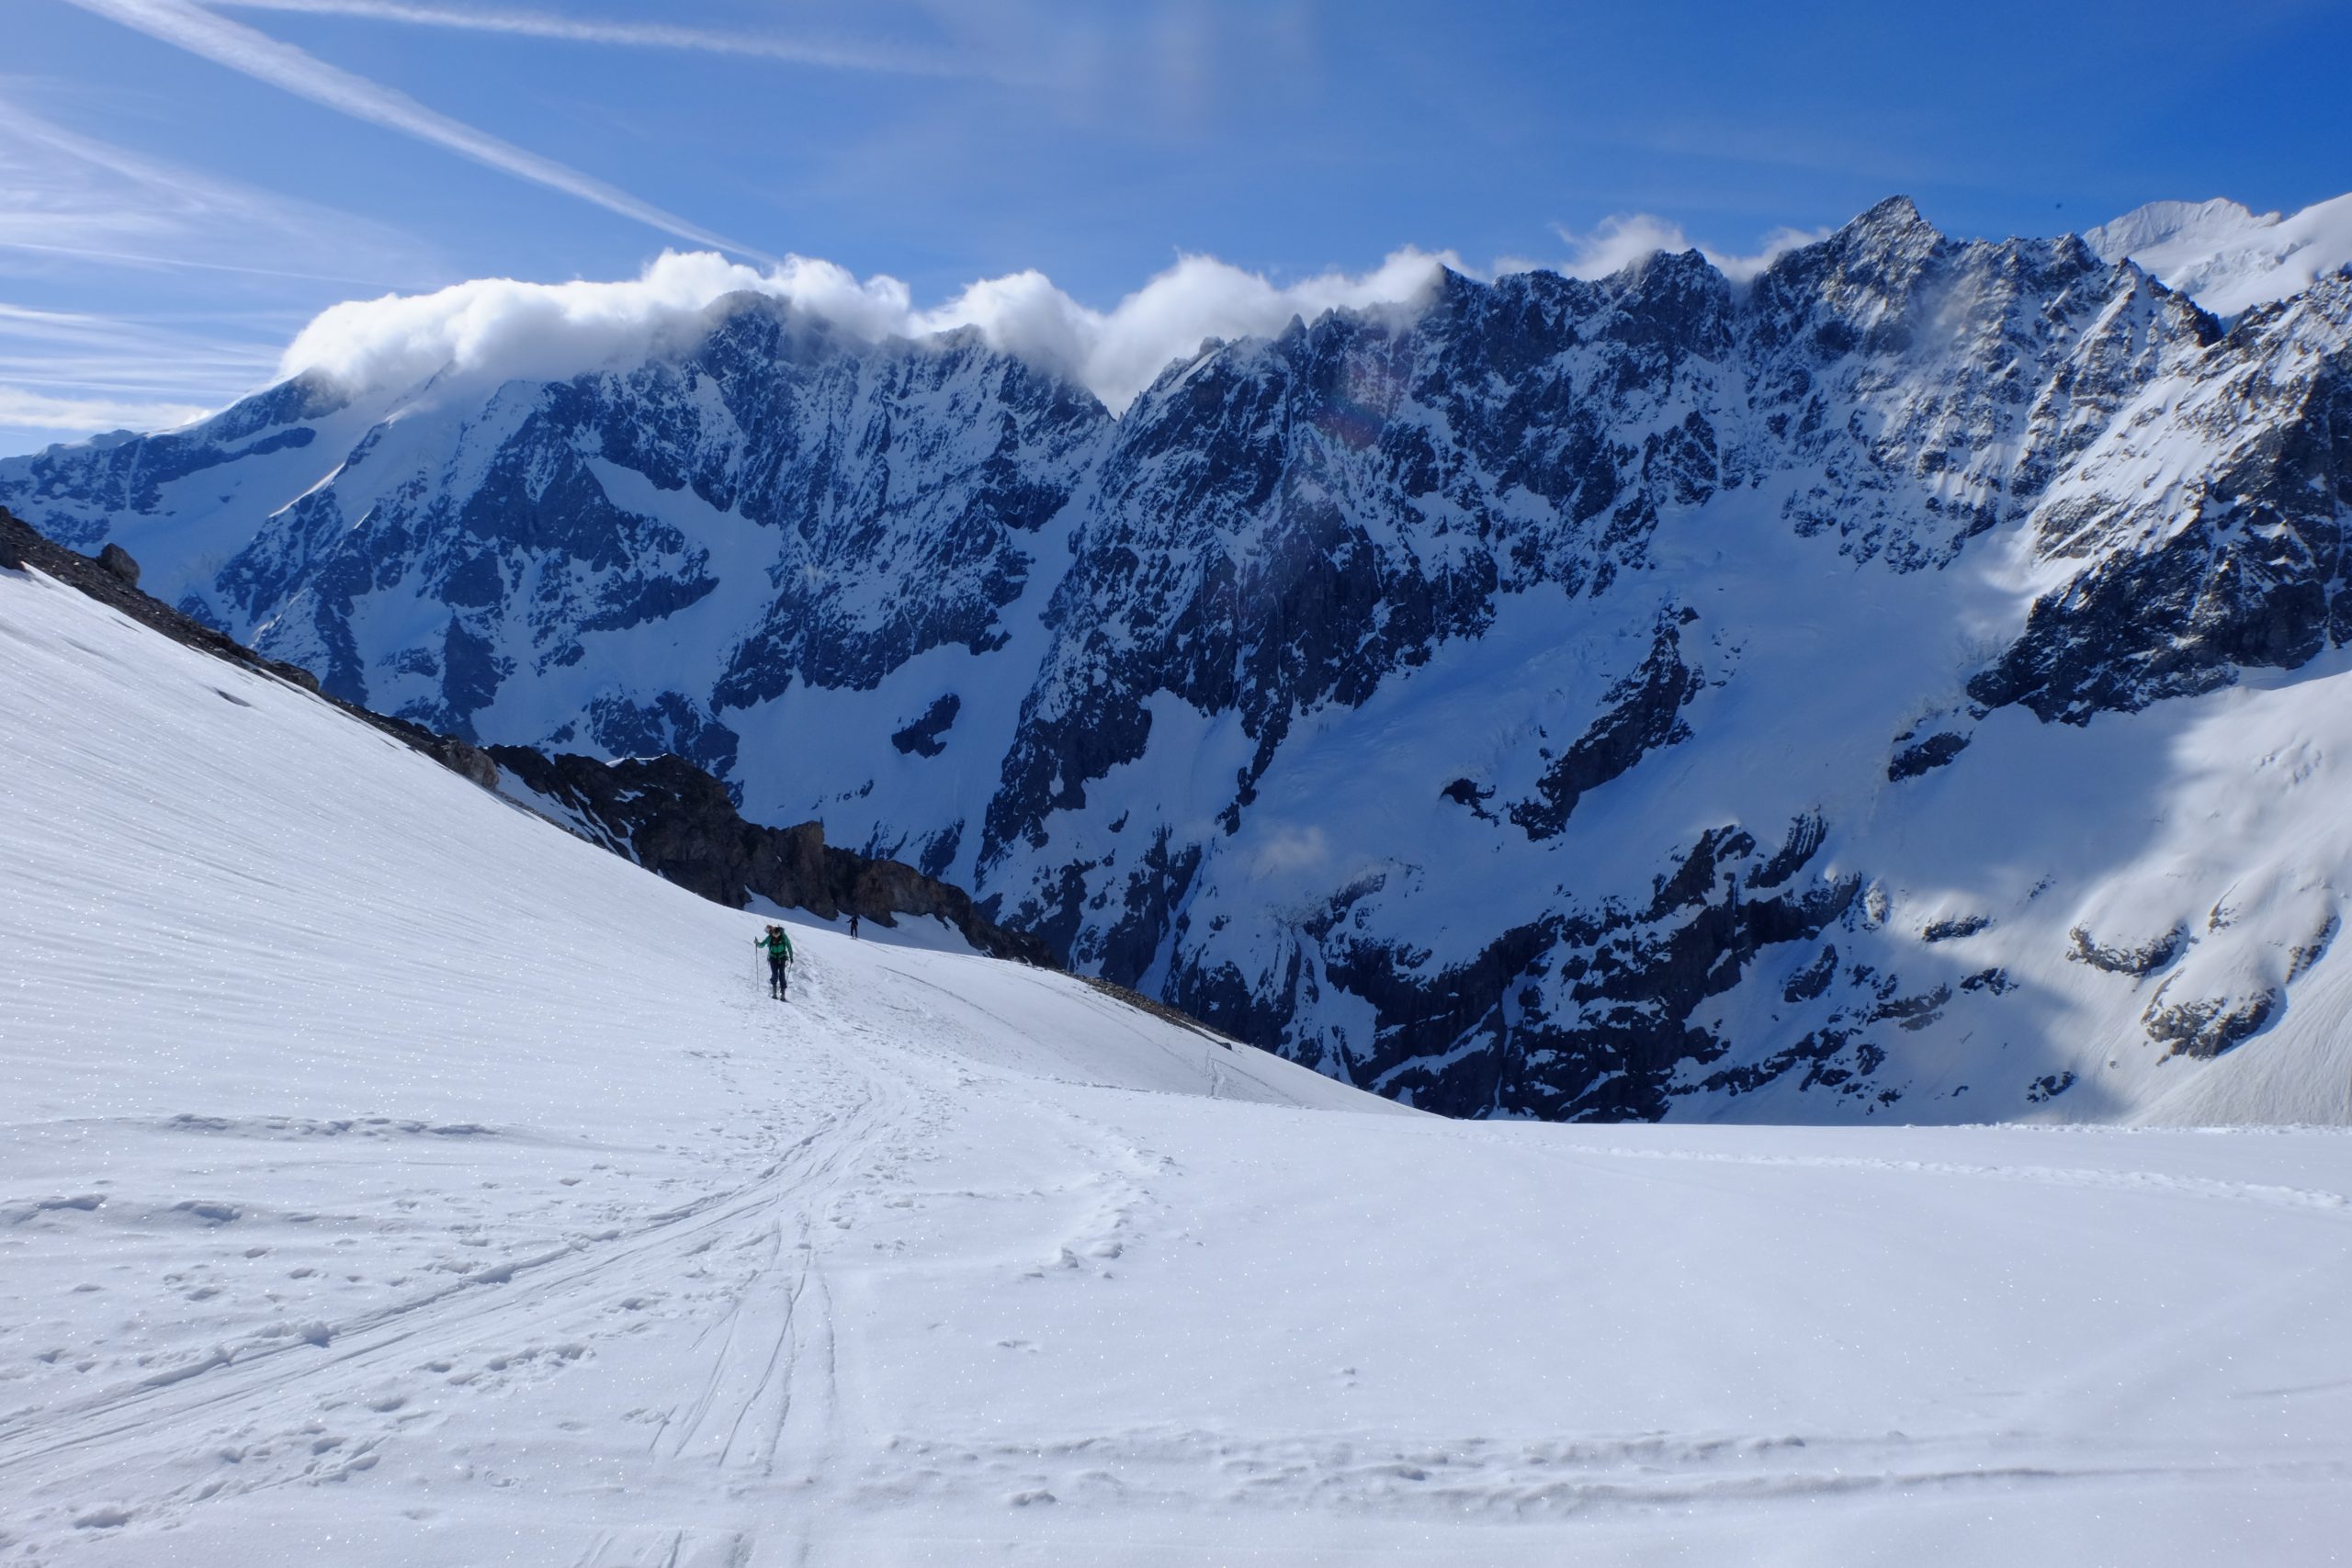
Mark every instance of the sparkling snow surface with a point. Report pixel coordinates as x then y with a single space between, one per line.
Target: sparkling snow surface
387 1177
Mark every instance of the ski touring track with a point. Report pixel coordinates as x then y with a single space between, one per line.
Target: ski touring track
747 1457
764 1407
750 1453
748 1426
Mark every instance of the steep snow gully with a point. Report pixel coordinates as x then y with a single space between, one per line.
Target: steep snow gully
388 1177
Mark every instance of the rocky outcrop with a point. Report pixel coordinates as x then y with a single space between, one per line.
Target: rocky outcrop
2207 1026
679 822
1641 713
22 545
1616 986
2211 545
2132 958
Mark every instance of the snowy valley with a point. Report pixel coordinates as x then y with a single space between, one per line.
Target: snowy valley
388 1177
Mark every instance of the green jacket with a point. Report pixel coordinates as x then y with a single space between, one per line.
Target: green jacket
778 946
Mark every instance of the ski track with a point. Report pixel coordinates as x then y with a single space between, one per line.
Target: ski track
258 1399
744 1465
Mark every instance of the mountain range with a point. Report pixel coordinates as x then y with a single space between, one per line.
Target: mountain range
1902 685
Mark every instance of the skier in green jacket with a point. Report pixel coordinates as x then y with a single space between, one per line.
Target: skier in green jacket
779 947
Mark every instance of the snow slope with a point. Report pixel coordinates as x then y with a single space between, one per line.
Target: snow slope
387 1177
2227 258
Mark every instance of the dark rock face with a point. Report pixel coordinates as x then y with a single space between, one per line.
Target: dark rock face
921 738
1953 930
1926 756
2208 1025
2245 567
117 559
1643 714
1616 987
467 761
2048 1087
2133 959
1217 563
678 822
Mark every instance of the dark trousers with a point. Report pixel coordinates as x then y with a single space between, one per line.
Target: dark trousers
775 974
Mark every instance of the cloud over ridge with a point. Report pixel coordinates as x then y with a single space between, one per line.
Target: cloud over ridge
507 330
1622 239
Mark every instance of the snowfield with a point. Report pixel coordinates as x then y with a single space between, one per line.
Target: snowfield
387 1177
2228 258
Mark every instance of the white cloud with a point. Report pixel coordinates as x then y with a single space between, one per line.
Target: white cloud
1287 851
1117 353
241 48
1618 241
502 328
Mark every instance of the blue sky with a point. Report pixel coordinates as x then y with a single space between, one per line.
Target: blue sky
181 187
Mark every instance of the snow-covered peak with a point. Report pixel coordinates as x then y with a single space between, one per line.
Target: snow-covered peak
2163 233
2225 257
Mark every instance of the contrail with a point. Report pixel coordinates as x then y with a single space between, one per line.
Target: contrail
831 54
257 55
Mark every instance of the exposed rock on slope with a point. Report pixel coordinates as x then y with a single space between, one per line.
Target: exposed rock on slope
663 813
22 544
672 819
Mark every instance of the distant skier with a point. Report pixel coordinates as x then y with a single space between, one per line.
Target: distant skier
779 947
852 926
